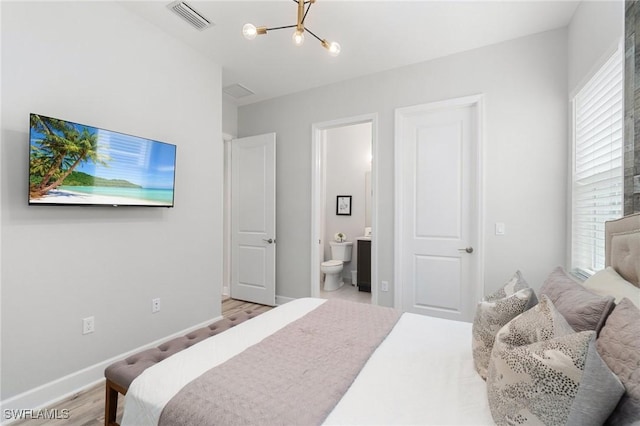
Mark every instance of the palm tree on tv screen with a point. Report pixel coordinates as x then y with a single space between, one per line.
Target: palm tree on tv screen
62 148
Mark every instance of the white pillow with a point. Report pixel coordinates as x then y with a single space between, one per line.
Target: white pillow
608 282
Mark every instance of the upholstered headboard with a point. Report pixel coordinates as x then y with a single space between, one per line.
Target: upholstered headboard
622 247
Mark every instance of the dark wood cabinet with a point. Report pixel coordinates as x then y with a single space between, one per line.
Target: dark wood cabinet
364 265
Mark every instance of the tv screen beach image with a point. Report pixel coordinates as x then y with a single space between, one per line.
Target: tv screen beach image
71 163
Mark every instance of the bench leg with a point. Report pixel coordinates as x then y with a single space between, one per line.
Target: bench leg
111 402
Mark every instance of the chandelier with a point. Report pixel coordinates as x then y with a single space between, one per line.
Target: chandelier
250 31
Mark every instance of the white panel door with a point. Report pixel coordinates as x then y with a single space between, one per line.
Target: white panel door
438 226
253 219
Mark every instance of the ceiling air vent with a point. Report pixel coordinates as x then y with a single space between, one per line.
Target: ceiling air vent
190 15
237 91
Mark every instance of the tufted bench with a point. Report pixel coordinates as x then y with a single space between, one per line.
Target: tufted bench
120 374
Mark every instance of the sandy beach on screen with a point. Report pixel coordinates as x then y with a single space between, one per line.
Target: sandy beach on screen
63 196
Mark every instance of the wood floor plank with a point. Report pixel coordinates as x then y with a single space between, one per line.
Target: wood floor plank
86 408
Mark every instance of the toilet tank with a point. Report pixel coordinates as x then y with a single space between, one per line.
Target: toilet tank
341 251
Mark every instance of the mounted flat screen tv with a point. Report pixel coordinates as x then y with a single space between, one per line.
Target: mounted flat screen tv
76 164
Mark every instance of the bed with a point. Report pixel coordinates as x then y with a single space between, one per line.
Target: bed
285 367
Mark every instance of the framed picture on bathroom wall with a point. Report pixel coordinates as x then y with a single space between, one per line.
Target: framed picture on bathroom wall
343 205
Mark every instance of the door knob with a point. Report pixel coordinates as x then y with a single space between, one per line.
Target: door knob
468 249
270 241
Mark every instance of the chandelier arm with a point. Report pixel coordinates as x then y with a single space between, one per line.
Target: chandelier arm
280 28
305 13
310 32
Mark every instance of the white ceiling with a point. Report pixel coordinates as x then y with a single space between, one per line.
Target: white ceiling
374 35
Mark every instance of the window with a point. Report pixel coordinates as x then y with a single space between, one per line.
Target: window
597 184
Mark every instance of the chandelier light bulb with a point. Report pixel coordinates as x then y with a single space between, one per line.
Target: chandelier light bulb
334 48
298 38
249 31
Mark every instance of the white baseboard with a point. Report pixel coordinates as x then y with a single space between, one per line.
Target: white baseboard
281 300
57 390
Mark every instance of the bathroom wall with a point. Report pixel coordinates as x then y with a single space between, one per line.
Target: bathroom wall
348 159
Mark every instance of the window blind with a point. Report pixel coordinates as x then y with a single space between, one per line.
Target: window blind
597 164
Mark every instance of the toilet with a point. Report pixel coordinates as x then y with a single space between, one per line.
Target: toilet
332 269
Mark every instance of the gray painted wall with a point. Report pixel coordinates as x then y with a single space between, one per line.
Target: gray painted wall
229 117
525 83
96 63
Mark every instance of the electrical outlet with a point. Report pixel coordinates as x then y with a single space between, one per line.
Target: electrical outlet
88 325
385 285
155 305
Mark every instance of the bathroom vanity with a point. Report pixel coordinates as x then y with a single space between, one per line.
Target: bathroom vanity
364 264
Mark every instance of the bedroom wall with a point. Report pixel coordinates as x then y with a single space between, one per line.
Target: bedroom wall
97 63
525 87
229 117
594 33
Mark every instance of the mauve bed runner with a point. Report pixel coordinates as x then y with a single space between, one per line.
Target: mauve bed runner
295 376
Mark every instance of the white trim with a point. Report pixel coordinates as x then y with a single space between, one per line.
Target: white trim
618 44
473 100
616 53
612 50
227 139
569 209
317 154
60 389
281 300
316 202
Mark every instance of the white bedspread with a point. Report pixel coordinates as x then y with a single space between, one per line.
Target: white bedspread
421 374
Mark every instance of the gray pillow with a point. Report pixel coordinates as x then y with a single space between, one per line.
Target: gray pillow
619 346
493 312
542 372
582 309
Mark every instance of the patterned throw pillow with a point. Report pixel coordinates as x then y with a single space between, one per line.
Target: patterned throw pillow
515 284
542 372
493 312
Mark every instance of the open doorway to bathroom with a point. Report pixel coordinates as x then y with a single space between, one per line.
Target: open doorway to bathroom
343 218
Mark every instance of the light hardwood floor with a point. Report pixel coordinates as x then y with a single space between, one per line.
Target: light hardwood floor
87 407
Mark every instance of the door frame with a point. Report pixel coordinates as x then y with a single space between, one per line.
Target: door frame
476 101
318 150
226 233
